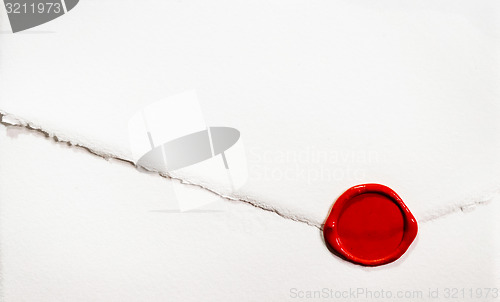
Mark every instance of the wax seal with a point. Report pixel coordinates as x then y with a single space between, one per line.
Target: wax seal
370 225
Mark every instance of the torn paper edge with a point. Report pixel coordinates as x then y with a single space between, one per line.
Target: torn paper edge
9 120
466 205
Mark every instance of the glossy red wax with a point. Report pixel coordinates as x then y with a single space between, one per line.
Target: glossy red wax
370 225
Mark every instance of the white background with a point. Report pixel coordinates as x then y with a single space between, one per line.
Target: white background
398 93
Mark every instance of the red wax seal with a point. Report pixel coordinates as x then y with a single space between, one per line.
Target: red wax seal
370 225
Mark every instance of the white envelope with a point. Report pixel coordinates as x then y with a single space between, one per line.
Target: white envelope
325 96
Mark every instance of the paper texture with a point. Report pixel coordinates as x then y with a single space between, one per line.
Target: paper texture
325 96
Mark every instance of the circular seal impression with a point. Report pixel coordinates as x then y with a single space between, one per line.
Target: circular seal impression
370 225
